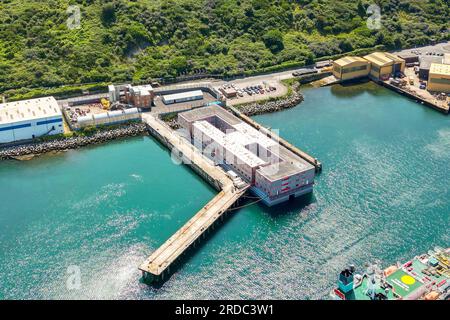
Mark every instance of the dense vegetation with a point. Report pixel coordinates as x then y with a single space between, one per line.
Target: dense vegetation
139 40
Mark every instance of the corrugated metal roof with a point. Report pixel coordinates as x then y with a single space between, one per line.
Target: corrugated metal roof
105 115
440 69
131 111
394 57
183 95
84 119
28 110
100 116
379 59
349 60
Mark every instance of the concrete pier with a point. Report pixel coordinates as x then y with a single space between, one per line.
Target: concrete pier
443 107
159 262
190 155
157 266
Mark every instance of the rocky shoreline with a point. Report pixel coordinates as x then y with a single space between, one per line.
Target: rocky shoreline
29 151
258 108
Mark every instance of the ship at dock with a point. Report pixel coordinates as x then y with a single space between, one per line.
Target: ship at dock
425 277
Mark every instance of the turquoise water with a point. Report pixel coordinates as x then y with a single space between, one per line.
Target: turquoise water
383 195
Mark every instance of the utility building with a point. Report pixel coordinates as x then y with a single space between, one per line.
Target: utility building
140 96
183 97
439 78
349 68
425 66
29 119
446 59
411 59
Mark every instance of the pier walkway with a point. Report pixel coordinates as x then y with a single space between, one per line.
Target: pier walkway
158 264
188 153
162 258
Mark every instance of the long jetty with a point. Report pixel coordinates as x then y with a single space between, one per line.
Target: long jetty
157 266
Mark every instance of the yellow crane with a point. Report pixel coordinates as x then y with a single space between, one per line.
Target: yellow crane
106 104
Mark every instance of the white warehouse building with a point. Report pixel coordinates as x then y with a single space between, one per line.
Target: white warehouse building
29 119
183 97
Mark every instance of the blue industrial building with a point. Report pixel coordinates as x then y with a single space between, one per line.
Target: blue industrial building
30 119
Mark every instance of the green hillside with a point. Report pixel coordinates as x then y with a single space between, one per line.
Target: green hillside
140 40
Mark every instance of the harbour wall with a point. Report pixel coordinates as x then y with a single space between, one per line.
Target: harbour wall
26 151
412 96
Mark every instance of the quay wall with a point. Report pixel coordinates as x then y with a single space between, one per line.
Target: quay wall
412 96
307 78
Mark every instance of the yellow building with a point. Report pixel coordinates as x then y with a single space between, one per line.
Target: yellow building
439 78
383 64
399 63
349 68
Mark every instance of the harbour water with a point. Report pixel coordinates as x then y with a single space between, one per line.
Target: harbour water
383 195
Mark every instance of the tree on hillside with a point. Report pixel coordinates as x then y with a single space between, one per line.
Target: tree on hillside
108 14
273 40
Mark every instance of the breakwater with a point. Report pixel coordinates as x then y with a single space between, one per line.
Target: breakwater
258 108
33 149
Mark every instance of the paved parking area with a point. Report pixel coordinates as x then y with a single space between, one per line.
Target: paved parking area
437 49
270 89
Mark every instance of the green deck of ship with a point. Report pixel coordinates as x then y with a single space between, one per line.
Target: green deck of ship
400 285
359 293
403 283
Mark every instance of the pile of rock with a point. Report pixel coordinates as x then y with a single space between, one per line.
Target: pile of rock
291 101
64 144
173 124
